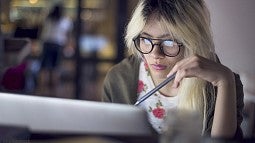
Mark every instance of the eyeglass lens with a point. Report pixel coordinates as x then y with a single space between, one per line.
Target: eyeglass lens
168 47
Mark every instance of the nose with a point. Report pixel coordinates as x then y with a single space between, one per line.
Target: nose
156 52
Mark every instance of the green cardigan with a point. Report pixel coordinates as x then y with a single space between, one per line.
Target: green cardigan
120 86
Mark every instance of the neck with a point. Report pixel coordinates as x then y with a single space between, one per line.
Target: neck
166 90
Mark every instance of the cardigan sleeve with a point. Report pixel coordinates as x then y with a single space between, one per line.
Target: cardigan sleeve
239 107
116 87
120 84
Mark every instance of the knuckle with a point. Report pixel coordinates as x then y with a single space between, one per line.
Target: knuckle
183 72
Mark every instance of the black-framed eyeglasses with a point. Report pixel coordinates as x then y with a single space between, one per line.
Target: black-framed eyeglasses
167 46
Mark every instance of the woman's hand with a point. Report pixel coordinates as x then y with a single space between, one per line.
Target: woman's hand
225 116
197 66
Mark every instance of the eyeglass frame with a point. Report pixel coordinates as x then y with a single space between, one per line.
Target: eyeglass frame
159 44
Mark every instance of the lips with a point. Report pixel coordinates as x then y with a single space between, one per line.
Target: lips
158 66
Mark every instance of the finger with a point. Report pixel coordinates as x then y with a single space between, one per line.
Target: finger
183 73
188 67
178 66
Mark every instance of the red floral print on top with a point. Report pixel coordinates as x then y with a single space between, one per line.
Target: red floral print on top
140 87
159 112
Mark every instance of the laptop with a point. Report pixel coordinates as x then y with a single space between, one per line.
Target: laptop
68 116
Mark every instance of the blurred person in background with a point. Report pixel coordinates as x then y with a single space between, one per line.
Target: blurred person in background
167 37
55 36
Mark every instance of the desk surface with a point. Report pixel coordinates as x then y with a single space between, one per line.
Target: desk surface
20 133
8 133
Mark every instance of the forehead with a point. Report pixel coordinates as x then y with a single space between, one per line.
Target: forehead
155 28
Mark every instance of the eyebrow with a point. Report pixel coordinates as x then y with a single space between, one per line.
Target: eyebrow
161 36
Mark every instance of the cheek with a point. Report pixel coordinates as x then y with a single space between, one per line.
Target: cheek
173 60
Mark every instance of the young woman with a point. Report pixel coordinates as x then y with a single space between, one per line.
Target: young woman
174 36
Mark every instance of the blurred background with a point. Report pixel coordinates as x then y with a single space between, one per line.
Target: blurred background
95 43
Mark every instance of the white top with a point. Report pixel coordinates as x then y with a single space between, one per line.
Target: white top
157 104
57 31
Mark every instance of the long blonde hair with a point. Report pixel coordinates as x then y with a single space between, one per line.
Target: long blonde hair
189 22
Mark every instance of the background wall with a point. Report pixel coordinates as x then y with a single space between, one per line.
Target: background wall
233 25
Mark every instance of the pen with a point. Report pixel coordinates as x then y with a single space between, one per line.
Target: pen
147 95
